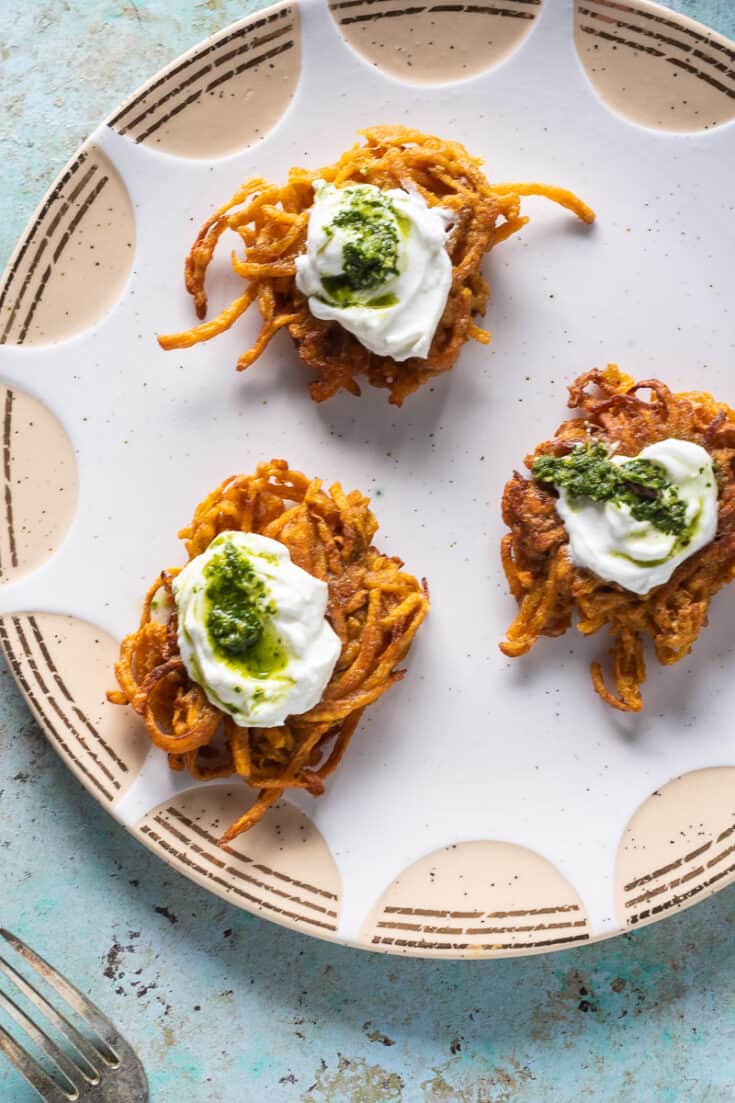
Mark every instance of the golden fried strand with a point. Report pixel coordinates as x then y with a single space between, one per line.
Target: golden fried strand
272 224
374 607
549 588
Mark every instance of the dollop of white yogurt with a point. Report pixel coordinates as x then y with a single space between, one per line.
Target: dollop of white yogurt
605 538
392 309
287 669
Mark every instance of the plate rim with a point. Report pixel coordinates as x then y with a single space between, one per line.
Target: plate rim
133 829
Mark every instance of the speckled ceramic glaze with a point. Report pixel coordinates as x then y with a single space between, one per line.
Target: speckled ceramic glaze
485 808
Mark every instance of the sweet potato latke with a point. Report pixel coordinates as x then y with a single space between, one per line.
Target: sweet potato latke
543 578
374 607
272 222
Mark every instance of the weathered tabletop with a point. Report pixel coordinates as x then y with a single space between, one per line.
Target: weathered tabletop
224 1007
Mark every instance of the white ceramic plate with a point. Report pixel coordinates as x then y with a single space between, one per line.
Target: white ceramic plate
485 807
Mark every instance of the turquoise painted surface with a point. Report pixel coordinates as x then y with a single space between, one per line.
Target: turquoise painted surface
223 1007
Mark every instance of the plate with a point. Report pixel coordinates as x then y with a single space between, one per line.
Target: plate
485 808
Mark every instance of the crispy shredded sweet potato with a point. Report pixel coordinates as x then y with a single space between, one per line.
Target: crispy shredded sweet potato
540 573
272 223
374 607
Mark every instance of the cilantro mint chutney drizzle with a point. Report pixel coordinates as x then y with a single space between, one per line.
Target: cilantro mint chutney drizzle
253 631
239 615
371 226
643 485
376 262
633 520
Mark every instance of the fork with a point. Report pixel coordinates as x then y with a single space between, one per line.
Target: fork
106 1070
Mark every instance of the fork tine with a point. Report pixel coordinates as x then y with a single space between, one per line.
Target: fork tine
90 1012
32 1071
69 1068
85 1048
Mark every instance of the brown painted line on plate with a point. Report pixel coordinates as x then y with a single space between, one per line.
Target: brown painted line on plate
479 9
185 860
520 912
7 428
246 860
246 47
664 888
47 238
358 4
676 900
171 810
197 95
37 298
368 3
169 115
723 68
240 873
720 857
71 198
196 59
78 217
421 945
379 15
425 928
702 76
528 927
279 892
268 56
164 99
620 23
663 870
615 5
44 242
41 216
44 719
608 37
472 9
62 686
676 42
54 703
57 253
394 910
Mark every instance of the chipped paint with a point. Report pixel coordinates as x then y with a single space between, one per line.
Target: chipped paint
354 1078
451 1083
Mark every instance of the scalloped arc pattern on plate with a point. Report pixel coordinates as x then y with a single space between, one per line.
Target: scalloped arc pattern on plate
477 898
678 845
434 42
281 868
656 68
223 97
74 259
40 485
64 665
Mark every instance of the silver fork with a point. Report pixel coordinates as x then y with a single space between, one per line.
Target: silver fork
106 1070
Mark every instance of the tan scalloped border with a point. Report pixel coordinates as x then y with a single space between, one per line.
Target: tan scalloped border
432 43
38 498
74 259
224 95
678 847
63 667
477 899
655 67
282 869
